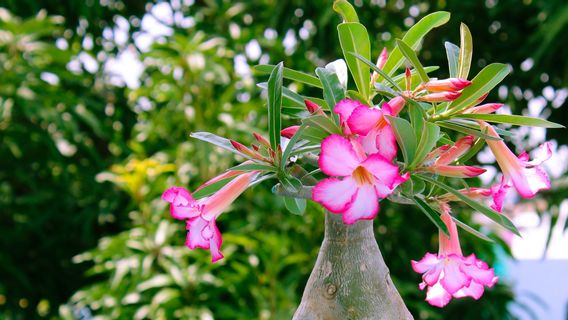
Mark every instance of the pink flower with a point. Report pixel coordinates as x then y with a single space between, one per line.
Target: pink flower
527 176
344 109
365 179
449 274
374 130
497 192
200 215
289 132
450 84
446 154
445 96
484 108
381 61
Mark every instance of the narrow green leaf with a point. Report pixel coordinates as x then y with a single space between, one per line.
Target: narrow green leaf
353 37
346 10
324 123
483 82
512 119
217 140
275 105
432 214
465 130
417 116
295 205
414 36
254 167
333 92
466 51
401 78
212 188
385 91
413 59
291 144
374 67
453 54
405 137
428 140
314 134
291 75
478 206
471 230
474 125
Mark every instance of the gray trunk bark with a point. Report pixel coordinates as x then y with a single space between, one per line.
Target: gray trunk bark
350 279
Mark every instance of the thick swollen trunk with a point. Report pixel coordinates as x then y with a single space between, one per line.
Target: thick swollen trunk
350 279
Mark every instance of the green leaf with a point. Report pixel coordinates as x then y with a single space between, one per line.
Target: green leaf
292 184
374 67
512 119
212 188
217 140
432 214
291 144
291 75
315 134
413 37
254 167
465 130
489 213
483 82
428 140
471 230
413 59
333 92
346 10
353 37
324 123
453 54
295 205
417 116
405 137
275 106
474 125
466 51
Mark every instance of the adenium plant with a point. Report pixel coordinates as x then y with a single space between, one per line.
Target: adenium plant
401 136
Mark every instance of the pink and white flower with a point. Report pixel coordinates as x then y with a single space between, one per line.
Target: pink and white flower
527 176
497 192
344 109
449 274
201 215
374 130
364 179
450 84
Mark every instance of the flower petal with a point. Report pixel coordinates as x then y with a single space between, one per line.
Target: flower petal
363 119
427 262
543 153
344 109
364 206
529 181
337 156
438 296
334 194
215 243
454 279
474 290
383 169
386 142
195 237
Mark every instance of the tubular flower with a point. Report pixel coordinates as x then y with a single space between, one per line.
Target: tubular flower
450 84
381 61
446 154
289 132
374 130
449 274
201 215
445 96
344 109
527 176
364 179
484 108
497 192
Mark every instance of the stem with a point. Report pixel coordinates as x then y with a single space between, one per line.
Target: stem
350 279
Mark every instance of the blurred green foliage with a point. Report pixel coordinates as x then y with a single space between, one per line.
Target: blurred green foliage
84 161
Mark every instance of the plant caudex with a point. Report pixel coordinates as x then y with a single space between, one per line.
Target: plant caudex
353 137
